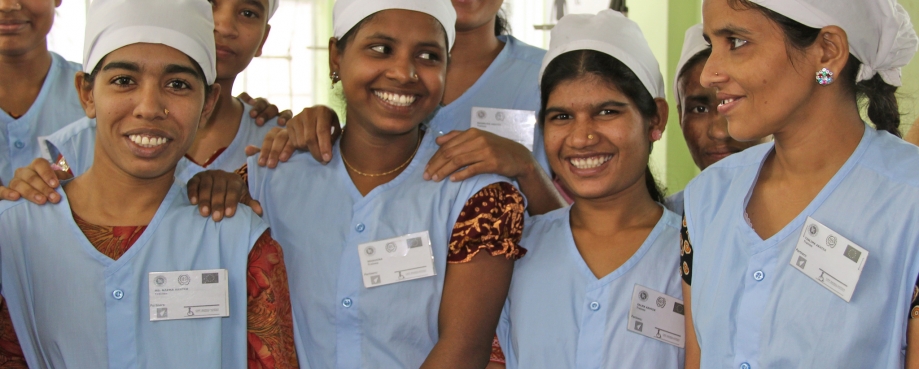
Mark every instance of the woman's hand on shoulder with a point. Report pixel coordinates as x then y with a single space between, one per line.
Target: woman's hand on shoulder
218 193
263 111
36 183
314 130
464 154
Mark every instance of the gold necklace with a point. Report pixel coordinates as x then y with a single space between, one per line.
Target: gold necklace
403 165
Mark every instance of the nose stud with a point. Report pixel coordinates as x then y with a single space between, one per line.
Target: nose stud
590 137
166 111
414 76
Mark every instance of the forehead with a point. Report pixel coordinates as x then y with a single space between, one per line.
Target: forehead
585 90
146 54
405 25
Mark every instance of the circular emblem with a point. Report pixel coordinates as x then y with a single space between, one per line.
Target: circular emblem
661 302
390 247
812 229
643 295
831 241
159 280
480 114
370 250
499 116
184 279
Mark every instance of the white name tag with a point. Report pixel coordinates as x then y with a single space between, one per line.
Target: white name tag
829 259
397 259
515 125
658 316
189 294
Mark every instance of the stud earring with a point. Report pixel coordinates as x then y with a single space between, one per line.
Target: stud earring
656 135
335 78
825 77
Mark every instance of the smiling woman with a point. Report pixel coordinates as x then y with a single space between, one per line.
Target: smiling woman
148 80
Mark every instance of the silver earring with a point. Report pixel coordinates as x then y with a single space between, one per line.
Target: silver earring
825 77
335 78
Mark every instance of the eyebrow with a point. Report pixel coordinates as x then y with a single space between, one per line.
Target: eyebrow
701 99
605 104
255 3
730 30
179 69
381 36
133 67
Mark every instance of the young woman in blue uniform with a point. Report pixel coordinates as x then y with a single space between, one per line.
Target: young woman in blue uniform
570 298
370 201
803 253
488 69
102 280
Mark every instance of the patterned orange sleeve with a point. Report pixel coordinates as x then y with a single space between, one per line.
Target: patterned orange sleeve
11 355
491 220
497 355
270 324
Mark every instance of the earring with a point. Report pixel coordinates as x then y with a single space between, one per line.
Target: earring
656 135
335 78
825 77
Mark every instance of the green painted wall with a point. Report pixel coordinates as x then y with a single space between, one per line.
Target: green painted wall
909 93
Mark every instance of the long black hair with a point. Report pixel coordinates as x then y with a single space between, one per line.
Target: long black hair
883 108
579 63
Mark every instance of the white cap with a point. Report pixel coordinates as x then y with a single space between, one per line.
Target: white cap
611 33
693 44
880 33
348 13
185 25
272 7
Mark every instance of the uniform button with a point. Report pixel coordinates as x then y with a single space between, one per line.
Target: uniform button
19 144
360 227
759 275
118 294
346 302
744 366
594 306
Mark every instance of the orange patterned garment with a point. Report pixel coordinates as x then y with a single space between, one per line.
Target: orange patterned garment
491 220
270 325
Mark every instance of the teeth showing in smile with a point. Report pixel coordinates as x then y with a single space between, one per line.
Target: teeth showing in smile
395 99
727 101
590 163
147 141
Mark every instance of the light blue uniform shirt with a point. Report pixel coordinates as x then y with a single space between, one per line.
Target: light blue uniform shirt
751 309
510 82
675 203
319 215
76 142
559 315
73 307
57 105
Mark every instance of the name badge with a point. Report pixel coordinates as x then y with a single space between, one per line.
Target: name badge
514 125
189 294
658 316
829 259
397 259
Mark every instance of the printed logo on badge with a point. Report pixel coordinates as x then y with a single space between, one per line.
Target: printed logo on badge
802 262
499 116
390 247
643 295
661 302
679 309
184 279
852 253
813 229
375 280
831 241
639 326
414 242
480 114
369 250
162 313
210 278
159 280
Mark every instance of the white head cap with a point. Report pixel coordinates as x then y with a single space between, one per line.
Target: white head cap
880 33
611 33
272 7
693 44
185 25
348 13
